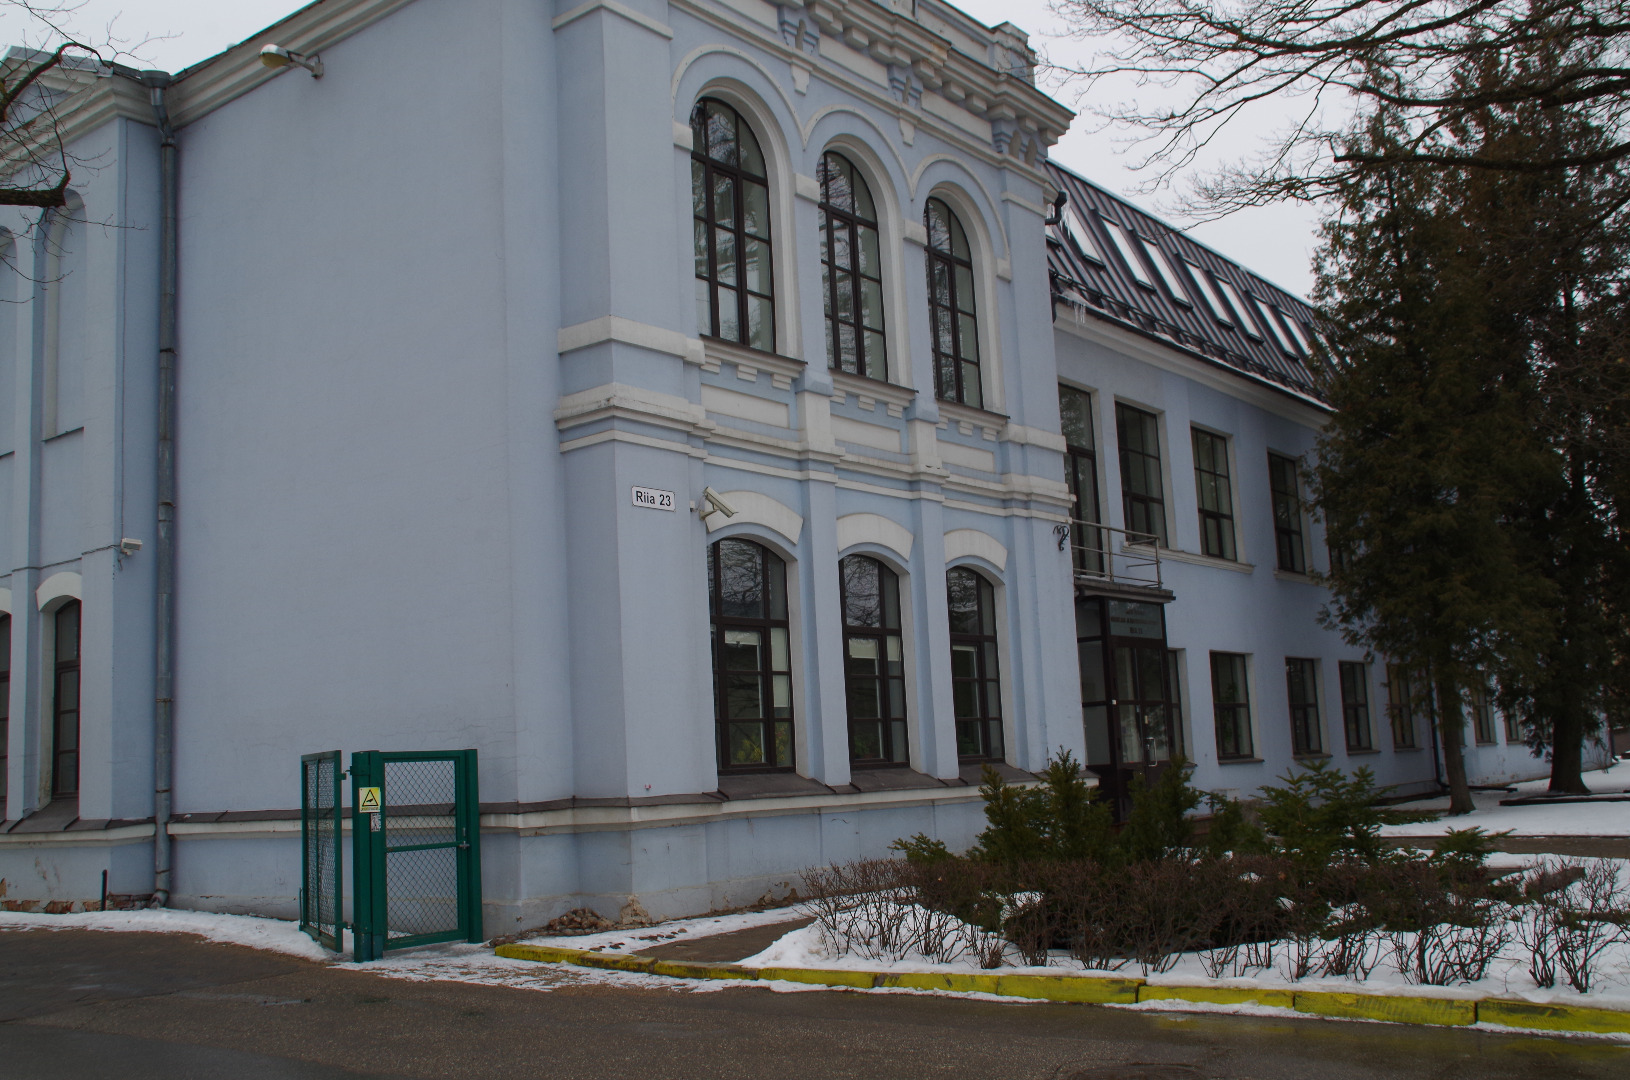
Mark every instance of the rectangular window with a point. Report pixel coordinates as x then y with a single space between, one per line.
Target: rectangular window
874 661
1355 706
1142 489
65 704
1401 704
1513 730
1232 706
1215 495
1302 689
1174 697
1483 715
976 690
752 657
1081 475
1285 486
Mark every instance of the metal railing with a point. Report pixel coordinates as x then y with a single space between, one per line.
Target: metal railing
1099 557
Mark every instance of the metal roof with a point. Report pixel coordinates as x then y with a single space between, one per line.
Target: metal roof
1096 274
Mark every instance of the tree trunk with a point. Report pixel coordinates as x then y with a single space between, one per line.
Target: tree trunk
1452 731
1568 745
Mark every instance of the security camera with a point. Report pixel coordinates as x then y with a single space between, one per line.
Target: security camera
716 505
276 56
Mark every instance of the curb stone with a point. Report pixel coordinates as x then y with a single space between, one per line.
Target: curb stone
1112 990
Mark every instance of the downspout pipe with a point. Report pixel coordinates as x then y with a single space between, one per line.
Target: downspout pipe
164 547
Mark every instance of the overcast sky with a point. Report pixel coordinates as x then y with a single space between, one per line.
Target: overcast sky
1275 242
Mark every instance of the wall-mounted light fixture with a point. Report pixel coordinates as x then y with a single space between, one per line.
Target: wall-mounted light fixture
276 56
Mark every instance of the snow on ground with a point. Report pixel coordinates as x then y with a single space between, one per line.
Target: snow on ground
634 940
274 935
1560 819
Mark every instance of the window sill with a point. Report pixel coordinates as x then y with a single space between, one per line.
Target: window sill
1352 750
897 398
969 417
1291 575
1406 749
1196 560
750 361
62 434
1239 761
1316 755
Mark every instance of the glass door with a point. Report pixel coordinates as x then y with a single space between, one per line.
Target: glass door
1126 693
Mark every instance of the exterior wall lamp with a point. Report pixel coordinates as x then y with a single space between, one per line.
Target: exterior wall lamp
276 56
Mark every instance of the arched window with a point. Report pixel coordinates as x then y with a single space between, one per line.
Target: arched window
65 703
730 202
976 689
851 271
5 704
66 319
874 661
954 333
752 657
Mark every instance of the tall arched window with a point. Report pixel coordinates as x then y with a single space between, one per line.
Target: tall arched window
5 704
65 703
851 271
66 318
976 689
730 203
752 657
874 661
955 330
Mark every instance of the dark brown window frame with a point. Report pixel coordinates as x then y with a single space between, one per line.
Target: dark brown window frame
849 225
1290 540
1238 711
707 170
1355 707
1081 477
1140 508
1306 726
983 730
65 721
5 707
1482 710
891 727
949 309
767 671
1401 712
1217 537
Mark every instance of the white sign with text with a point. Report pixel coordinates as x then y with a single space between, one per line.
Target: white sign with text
653 498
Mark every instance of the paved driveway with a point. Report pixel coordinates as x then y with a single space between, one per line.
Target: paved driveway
87 1006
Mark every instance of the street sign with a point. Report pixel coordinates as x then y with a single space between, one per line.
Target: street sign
653 498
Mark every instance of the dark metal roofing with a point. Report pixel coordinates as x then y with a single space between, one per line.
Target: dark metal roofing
1102 284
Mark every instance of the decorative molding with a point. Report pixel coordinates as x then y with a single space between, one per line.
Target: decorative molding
684 137
63 585
854 529
606 328
1030 436
806 187
798 30
1196 559
896 397
966 543
753 508
784 370
967 418
1025 204
614 8
750 407
620 401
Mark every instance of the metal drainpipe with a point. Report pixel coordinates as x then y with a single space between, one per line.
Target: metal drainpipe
164 548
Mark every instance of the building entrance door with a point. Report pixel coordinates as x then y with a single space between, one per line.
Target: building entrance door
1126 694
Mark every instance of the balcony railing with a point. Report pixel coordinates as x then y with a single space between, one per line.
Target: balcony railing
1105 555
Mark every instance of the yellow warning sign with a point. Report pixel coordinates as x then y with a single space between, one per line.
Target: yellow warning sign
368 800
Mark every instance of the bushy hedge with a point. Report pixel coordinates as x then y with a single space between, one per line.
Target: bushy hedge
1301 884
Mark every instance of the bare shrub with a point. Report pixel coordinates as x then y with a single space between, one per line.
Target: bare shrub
1594 913
1444 928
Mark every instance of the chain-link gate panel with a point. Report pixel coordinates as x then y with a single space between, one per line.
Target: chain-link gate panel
322 872
418 865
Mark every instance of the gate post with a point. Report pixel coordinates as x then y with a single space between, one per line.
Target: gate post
367 859
469 826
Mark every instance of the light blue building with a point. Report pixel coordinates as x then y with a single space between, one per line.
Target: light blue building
662 397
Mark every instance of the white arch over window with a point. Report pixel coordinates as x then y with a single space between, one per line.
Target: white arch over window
63 585
856 529
972 543
755 508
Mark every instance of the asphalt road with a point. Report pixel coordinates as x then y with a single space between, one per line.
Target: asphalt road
88 1006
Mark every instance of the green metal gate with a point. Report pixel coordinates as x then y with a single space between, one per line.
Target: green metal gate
322 870
416 849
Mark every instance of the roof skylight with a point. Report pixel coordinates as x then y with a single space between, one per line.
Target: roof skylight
1264 316
1123 244
1241 316
1077 228
1299 332
1168 272
1209 295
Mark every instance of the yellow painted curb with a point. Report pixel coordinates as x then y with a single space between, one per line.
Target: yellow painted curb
1529 1014
1219 995
1101 990
969 983
1077 988
1399 1010
863 980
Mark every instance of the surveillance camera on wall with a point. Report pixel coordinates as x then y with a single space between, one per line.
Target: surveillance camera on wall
716 505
